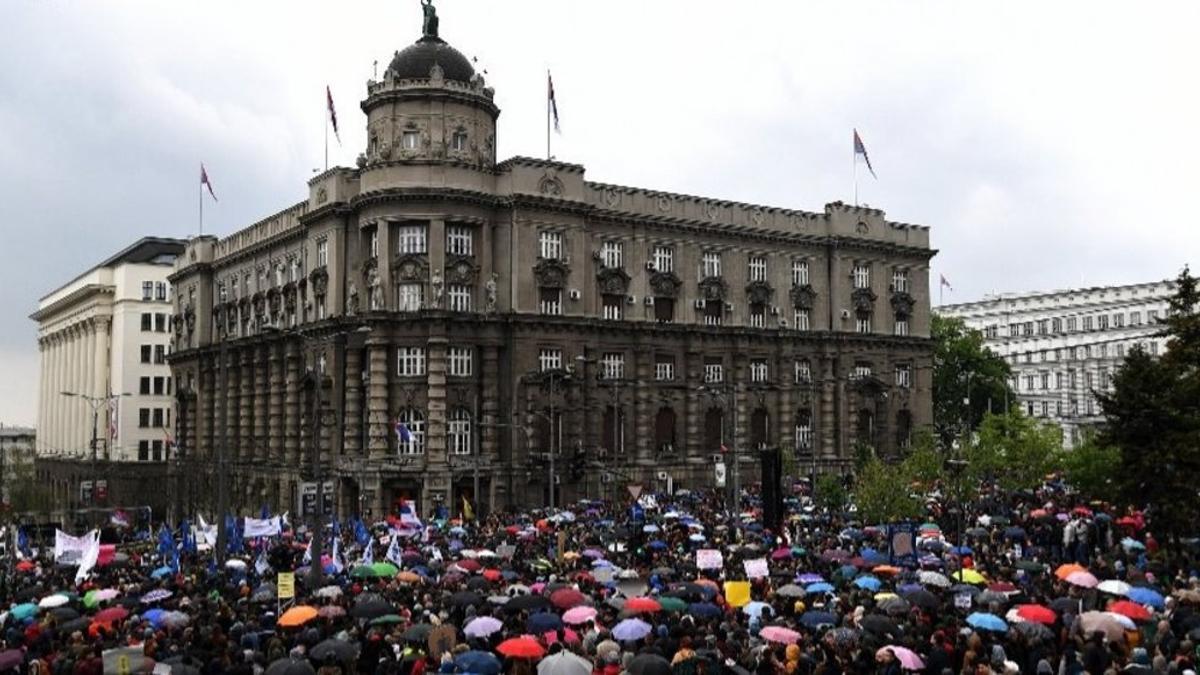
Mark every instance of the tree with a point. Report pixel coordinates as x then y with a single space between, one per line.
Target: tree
883 493
1015 451
963 368
1152 418
1093 469
831 492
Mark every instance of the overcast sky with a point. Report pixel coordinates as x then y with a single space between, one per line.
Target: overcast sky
1047 144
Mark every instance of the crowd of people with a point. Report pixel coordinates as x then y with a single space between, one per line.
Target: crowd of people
664 585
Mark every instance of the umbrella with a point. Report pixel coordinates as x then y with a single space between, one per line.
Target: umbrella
867 583
1065 605
1131 544
370 608
331 612
990 597
385 569
578 615
465 598
54 600
631 629
1036 613
1031 629
1014 533
340 650
779 634
1082 579
566 598
482 626
1146 596
933 579
649 664
264 593
1113 587
418 633
161 572
329 592
156 596
297 616
908 658
704 609
23 611
642 604
813 619
820 587
286 666
564 663
386 620
64 614
542 622
969 576
894 605
1064 571
478 663
11 658
1109 624
81 624
521 648
809 578
1130 609
111 614
790 591
880 625
985 621
670 604
923 599
127 660
755 608
524 602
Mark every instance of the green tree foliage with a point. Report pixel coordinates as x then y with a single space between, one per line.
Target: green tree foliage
1152 418
962 364
831 493
882 493
1093 469
1013 450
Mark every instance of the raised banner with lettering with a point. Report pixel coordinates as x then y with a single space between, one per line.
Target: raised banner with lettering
709 559
756 569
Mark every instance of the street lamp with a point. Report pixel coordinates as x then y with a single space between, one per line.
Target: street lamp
96 402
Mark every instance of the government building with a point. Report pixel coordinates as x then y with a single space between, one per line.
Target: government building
1064 346
444 326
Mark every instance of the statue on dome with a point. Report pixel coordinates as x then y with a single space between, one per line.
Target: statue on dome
430 26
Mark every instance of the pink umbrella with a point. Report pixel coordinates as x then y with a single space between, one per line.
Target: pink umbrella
779 634
908 658
569 636
579 615
782 553
1082 579
537 588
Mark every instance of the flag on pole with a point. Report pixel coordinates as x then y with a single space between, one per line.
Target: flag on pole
368 556
553 103
860 149
206 182
468 513
394 554
332 114
944 282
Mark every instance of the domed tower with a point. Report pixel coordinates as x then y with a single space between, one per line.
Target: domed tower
431 108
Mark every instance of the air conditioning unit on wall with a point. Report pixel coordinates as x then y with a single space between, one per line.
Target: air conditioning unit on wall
699 304
575 294
845 314
649 300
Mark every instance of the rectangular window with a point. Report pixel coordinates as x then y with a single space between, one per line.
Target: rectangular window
143 451
1118 320
1043 326
1028 328
900 280
1014 329
802 371
458 142
664 368
143 418
550 245
410 361
664 310
714 312
1152 316
613 307
1058 408
1120 350
458 240
664 258
710 264
1059 380
460 297
1072 324
160 354
611 254
1056 325
411 239
461 360
1045 377
410 139
758 268
758 370
147 290
320 302
550 301
862 324
409 297
802 319
160 323
1102 322
799 272
147 350
322 254
903 376
714 371
991 332
862 275
147 321
1135 318
373 244
156 451
158 418
1088 322
901 327
1103 350
758 316
549 359
612 366
861 371
144 385
159 388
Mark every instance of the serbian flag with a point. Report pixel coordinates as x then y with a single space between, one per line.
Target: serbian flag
403 435
860 149
551 101
332 114
205 181
944 282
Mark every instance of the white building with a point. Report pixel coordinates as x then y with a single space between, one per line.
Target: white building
1065 345
104 338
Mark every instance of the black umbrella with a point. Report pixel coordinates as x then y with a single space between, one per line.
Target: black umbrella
29 593
64 613
74 625
526 603
881 625
686 591
649 664
287 666
478 583
418 633
1065 605
340 650
923 599
958 589
465 598
371 609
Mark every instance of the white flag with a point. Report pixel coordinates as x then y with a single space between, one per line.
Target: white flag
261 565
337 557
368 555
307 560
264 527
91 554
69 550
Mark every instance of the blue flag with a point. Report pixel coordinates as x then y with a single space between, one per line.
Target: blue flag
166 543
23 541
188 539
361 534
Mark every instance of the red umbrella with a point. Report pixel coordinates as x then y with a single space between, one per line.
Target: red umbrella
111 614
566 598
1130 609
642 604
25 566
491 575
521 648
1037 614
1002 587
469 565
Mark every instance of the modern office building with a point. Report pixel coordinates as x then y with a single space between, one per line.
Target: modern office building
1065 345
498 330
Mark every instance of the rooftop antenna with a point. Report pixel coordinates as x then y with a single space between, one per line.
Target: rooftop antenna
375 69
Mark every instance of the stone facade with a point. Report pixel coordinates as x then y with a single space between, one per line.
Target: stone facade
492 313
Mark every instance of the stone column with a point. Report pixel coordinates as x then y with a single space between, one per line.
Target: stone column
275 402
206 405
783 374
246 404
644 407
437 468
77 386
352 419
59 401
691 371
377 399
827 414
53 397
489 448
43 389
231 399
291 422
88 343
261 444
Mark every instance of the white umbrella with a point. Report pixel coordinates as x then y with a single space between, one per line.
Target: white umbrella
328 592
564 663
52 601
930 578
1113 587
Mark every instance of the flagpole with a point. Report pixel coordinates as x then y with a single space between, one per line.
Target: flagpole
201 186
855 159
326 125
548 115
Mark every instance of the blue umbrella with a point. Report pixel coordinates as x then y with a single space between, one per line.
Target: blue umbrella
23 611
657 545
962 550
1014 533
905 589
631 629
155 616
874 557
754 608
478 663
867 583
543 622
819 587
1146 596
1131 544
985 621
814 619
160 572
704 609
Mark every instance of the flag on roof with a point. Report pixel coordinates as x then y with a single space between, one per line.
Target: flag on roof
551 101
860 149
332 114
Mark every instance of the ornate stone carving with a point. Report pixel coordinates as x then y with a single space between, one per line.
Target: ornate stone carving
260 304
490 290
189 317
711 210
438 284
759 292
612 197
756 216
902 304
320 280
863 300
289 296
461 269
612 281
177 320
663 203
351 298
551 273
861 228
714 288
803 297
322 195
551 186
410 267
274 300
665 284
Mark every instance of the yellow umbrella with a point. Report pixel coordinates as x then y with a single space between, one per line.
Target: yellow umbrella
884 596
969 577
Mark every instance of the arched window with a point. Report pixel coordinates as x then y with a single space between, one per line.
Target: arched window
612 436
903 429
866 427
664 430
714 426
760 423
410 432
804 431
459 429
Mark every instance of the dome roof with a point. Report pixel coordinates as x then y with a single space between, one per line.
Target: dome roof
416 60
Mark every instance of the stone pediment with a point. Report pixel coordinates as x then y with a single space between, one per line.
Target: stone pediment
902 304
714 288
612 281
863 300
803 297
759 292
551 273
665 284
461 269
409 267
